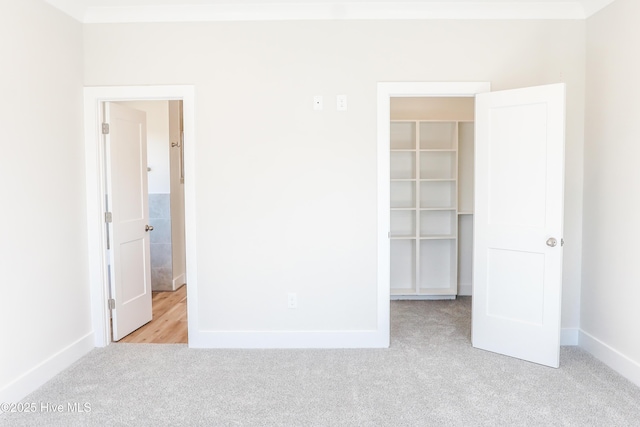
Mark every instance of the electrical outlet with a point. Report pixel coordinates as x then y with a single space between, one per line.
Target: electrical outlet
292 300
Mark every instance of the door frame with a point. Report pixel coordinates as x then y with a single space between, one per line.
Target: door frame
94 97
386 91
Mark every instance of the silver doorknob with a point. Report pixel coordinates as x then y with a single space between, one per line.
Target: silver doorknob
552 242
150 228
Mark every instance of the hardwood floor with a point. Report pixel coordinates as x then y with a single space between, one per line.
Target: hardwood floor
169 324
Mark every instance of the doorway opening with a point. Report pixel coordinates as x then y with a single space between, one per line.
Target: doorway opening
164 198
431 208
98 202
431 227
400 216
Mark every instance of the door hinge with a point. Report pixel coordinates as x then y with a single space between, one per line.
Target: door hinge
105 128
108 217
112 304
561 242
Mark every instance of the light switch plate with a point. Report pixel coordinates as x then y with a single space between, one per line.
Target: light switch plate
341 102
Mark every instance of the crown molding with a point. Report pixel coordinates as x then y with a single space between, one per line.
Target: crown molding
73 8
593 6
337 10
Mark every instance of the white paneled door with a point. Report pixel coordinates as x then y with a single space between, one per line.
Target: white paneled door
126 149
518 222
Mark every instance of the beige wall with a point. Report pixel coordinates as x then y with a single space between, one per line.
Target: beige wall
286 196
611 292
462 108
45 313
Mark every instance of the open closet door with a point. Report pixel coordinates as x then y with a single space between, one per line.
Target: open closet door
518 222
126 142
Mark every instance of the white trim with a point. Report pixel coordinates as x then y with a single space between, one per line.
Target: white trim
317 10
386 91
611 357
435 89
593 6
93 97
384 215
288 339
44 371
423 297
569 336
178 281
465 289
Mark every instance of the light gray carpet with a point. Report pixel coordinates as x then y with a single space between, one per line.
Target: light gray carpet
431 376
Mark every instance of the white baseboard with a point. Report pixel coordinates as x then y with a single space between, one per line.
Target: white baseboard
178 281
422 297
33 379
569 336
617 361
288 339
465 289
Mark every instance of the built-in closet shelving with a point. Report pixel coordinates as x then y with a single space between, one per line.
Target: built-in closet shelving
431 194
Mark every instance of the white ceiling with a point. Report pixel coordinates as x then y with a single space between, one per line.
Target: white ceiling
103 11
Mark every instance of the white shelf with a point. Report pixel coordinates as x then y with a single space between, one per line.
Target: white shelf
437 237
403 165
403 194
438 223
437 135
403 135
431 292
402 263
438 165
438 266
406 291
438 194
403 223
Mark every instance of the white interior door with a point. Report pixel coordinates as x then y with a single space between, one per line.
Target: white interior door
126 145
518 222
